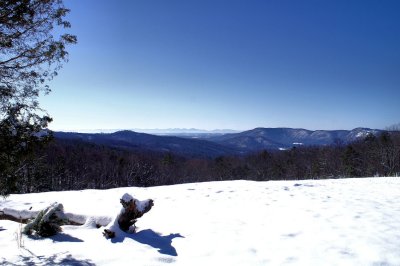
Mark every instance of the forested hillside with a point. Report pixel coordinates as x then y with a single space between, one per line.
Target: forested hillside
75 164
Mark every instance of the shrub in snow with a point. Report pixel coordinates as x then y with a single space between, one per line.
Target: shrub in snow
48 221
132 209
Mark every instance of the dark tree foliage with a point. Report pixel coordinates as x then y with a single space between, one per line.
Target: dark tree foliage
30 55
352 162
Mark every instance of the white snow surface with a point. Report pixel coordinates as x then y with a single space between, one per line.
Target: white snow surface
311 222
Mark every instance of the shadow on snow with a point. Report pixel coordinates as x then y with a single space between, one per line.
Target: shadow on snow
60 237
56 259
163 244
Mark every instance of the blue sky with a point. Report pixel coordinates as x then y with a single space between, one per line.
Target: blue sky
237 64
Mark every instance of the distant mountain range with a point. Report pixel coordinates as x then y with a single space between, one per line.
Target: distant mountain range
208 144
284 138
163 131
141 142
183 131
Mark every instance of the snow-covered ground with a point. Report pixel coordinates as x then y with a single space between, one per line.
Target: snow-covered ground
326 222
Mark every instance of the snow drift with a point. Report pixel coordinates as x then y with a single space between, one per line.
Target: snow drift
324 222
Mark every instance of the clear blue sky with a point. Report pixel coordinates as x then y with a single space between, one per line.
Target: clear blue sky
211 64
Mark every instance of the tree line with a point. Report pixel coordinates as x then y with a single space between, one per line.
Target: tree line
71 165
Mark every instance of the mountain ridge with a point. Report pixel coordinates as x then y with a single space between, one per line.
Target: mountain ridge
284 138
131 140
217 144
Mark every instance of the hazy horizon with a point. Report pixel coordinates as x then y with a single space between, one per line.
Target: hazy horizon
187 130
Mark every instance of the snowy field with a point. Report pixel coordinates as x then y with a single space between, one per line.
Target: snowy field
326 222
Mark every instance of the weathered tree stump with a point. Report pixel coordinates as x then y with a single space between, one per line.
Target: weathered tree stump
132 209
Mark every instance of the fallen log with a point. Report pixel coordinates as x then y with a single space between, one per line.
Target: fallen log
9 217
4 216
